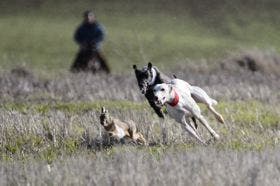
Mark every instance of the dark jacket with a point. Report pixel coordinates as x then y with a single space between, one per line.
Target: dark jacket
89 34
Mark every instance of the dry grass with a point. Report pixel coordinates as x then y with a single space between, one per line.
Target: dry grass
50 131
222 84
203 166
267 61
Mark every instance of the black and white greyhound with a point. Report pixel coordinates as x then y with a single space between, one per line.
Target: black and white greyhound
149 76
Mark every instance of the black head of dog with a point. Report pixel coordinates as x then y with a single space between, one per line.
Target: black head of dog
147 78
144 77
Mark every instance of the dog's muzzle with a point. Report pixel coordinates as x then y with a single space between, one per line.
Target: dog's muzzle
143 88
143 91
157 101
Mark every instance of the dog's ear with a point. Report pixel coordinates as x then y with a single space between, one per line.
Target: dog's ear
134 67
150 65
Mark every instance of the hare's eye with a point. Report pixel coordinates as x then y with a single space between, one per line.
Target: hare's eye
162 89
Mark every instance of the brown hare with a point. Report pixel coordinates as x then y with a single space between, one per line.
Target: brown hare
119 129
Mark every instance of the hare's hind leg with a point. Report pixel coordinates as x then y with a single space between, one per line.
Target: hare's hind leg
140 138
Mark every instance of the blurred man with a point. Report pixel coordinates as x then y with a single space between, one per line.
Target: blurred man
89 35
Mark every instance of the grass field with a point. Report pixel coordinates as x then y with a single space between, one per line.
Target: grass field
39 34
50 132
49 118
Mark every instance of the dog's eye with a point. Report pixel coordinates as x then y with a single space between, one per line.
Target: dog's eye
162 89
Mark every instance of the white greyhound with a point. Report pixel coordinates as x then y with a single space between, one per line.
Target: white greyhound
176 95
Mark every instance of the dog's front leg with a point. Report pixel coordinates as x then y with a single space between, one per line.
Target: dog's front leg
157 109
195 111
205 123
186 126
187 118
194 125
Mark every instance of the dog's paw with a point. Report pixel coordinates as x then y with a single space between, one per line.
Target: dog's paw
220 119
210 141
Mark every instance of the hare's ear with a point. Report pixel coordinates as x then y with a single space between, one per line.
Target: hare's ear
150 65
103 110
134 67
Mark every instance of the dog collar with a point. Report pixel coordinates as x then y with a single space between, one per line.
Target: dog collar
175 101
154 73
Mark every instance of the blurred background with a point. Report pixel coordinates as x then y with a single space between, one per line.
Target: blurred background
38 34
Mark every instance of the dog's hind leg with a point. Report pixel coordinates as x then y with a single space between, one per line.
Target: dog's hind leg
200 96
218 116
195 124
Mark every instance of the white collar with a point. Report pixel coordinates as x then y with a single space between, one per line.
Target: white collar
154 73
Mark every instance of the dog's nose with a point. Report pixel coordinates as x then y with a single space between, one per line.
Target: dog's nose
156 98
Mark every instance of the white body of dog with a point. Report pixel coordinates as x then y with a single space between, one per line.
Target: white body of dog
177 96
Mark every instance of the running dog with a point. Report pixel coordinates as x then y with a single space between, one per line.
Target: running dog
150 76
147 78
180 104
119 129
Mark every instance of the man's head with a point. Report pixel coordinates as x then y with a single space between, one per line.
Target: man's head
89 17
162 93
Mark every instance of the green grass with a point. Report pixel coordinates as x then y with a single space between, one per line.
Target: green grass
250 113
247 123
41 38
72 108
246 113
